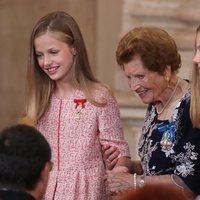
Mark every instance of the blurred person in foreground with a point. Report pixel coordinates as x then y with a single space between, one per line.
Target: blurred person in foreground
154 192
24 163
169 144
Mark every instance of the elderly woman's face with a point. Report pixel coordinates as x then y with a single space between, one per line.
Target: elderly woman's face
147 84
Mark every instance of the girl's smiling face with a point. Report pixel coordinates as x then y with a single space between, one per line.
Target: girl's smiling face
54 56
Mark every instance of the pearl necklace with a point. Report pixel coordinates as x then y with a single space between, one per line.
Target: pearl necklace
170 98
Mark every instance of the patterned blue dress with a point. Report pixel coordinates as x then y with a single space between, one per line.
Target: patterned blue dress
182 154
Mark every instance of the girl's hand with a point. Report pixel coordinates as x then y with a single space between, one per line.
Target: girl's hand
110 156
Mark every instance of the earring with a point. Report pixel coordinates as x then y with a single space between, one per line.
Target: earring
167 79
73 52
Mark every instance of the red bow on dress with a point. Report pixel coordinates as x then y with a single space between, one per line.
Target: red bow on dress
80 102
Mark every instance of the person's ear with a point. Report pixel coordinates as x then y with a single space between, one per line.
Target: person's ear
41 186
45 172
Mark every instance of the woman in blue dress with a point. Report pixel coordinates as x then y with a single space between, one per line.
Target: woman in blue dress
169 146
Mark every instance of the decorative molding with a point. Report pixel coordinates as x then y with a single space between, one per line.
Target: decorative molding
180 18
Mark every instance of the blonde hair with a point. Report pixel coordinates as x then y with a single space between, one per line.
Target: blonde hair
195 93
39 86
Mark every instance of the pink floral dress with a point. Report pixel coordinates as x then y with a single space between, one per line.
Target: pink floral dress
75 132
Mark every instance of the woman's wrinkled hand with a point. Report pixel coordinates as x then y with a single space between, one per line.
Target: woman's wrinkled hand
120 169
118 182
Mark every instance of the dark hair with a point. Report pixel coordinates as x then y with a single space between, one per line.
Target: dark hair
23 154
156 48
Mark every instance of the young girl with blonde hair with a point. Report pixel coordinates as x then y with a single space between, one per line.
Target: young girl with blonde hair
74 111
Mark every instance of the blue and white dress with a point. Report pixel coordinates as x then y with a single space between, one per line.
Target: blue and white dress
182 155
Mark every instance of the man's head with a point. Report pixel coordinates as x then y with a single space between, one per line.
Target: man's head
25 159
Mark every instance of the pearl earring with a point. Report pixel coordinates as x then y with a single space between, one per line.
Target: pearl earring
167 79
74 52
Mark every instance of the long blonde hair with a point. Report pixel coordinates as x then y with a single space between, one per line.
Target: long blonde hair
39 85
195 92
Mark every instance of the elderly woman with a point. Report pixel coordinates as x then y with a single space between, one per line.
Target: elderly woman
169 146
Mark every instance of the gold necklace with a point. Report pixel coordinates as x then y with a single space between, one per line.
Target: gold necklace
170 98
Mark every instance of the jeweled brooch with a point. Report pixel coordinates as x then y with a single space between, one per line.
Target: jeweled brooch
79 105
168 135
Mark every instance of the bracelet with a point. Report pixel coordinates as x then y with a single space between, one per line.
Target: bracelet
142 180
175 182
134 180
